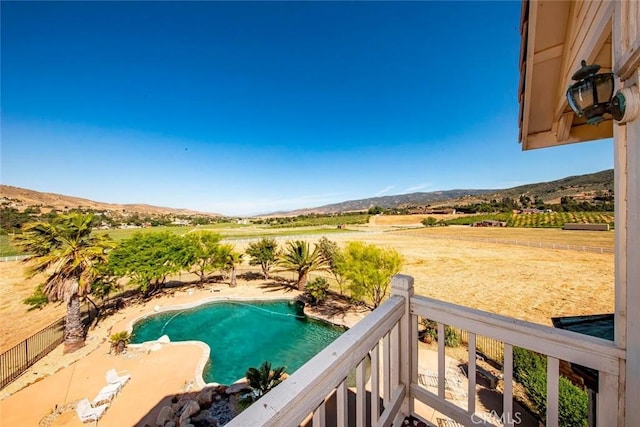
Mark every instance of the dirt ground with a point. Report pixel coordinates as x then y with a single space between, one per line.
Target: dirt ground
532 284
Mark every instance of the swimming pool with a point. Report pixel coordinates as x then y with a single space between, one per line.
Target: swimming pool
242 334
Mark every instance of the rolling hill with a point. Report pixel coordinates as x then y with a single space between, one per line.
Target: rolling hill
574 186
421 198
579 186
22 198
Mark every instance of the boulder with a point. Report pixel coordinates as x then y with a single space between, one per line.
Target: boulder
164 339
205 397
170 424
238 386
190 409
166 414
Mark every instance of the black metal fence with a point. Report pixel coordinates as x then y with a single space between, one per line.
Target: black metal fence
22 356
18 359
491 349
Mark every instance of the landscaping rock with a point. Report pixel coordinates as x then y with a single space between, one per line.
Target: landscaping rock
166 414
205 397
190 409
170 424
237 387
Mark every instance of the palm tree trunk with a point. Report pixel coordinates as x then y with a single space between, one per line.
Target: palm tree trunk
302 280
73 328
234 282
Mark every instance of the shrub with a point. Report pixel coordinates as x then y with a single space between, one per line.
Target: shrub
530 370
119 341
451 336
369 269
429 221
316 290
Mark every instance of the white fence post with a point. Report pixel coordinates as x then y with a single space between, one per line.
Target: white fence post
402 286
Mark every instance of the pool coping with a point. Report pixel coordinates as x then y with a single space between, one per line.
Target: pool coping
206 350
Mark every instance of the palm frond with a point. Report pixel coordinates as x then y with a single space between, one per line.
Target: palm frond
65 252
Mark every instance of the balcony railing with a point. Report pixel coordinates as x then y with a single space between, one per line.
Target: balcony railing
319 392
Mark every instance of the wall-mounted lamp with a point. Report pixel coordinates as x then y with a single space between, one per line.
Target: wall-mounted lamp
592 96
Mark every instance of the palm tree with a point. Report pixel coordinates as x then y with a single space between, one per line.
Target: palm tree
261 380
298 257
67 254
232 260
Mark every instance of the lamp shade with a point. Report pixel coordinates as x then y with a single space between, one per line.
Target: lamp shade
591 95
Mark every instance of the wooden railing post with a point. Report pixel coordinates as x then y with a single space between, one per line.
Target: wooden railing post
402 286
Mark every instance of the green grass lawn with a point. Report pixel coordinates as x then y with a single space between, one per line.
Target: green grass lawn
125 233
323 220
6 248
228 231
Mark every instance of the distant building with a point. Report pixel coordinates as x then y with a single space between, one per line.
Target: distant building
489 223
421 210
528 211
182 222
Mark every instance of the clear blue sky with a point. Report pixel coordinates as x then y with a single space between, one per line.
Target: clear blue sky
251 107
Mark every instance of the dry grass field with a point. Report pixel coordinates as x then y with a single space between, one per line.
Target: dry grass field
527 283
18 323
532 284
603 239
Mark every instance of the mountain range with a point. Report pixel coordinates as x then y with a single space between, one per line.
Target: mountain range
580 187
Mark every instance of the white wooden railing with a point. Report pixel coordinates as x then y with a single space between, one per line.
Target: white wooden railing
557 344
318 392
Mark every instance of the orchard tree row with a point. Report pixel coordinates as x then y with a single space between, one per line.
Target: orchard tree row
534 220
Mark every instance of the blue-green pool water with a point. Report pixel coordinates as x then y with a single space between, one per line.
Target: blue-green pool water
243 335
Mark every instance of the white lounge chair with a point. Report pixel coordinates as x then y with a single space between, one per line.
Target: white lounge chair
114 378
106 394
87 413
